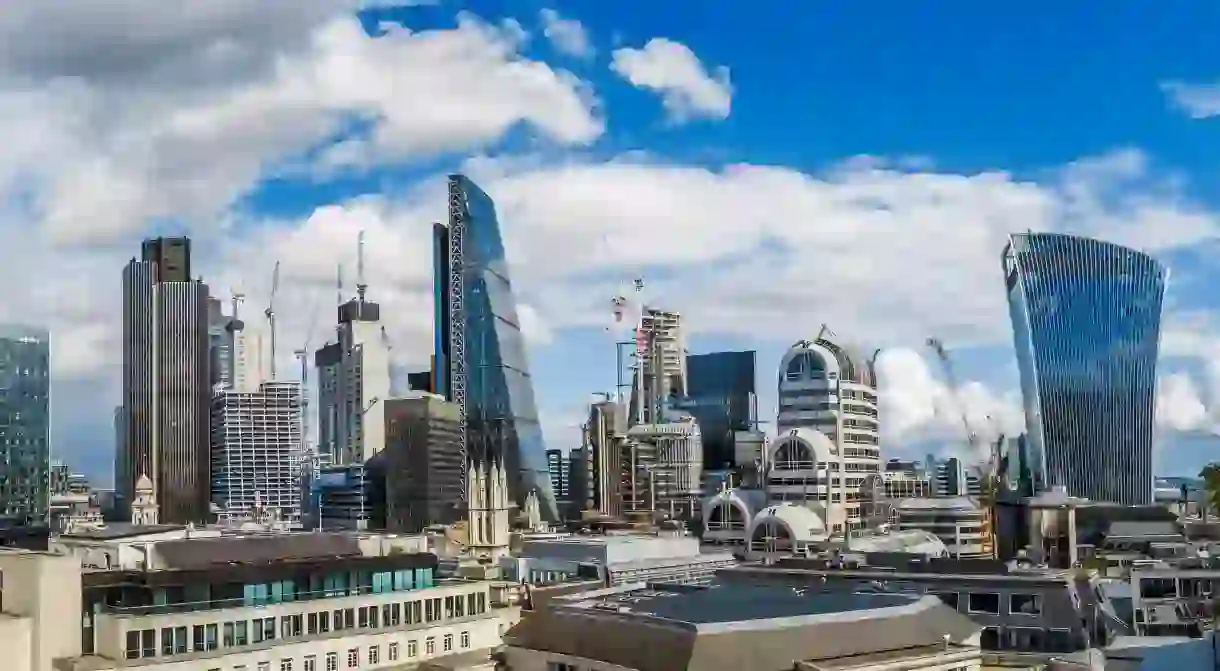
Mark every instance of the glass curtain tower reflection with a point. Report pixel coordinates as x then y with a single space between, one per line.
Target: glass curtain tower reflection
1086 321
480 351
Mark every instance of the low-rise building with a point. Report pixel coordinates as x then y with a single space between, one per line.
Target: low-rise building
271 602
615 560
959 521
735 626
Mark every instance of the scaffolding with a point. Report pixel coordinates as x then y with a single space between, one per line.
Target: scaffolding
256 438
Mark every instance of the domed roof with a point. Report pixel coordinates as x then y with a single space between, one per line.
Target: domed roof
144 484
802 523
749 500
853 364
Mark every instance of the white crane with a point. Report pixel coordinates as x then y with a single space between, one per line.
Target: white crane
270 313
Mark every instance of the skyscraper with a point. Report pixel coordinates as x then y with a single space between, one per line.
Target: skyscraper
720 396
1086 319
25 422
166 381
660 365
353 382
480 351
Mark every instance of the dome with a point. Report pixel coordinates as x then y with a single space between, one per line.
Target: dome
144 484
800 449
732 509
787 523
816 359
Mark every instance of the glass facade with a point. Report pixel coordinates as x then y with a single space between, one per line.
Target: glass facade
500 412
720 395
1086 324
25 423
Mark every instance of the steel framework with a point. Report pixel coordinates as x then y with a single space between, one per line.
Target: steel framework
457 311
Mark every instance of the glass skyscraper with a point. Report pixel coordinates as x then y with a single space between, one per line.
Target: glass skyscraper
480 351
25 423
1086 321
720 396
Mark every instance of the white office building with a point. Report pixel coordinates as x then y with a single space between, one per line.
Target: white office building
827 390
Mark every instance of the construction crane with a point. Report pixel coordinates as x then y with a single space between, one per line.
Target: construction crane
972 437
270 313
988 484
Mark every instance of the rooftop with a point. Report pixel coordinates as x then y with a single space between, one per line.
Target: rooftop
119 530
723 603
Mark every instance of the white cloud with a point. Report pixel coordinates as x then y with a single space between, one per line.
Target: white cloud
1199 101
100 149
568 36
1179 405
687 88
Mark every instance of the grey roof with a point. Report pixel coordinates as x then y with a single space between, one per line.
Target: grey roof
734 603
650 642
200 553
118 530
1141 529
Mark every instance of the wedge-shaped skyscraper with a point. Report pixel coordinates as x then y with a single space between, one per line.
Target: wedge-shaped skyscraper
1086 319
480 351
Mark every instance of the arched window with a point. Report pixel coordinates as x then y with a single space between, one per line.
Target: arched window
806 366
726 516
793 455
771 536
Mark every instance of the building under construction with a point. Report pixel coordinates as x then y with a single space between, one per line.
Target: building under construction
256 438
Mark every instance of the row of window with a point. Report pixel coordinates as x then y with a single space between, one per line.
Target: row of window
989 602
206 637
353 657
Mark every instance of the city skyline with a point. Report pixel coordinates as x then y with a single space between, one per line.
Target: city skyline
878 210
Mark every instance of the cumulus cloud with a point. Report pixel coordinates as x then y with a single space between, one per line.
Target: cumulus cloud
568 36
688 89
1199 101
1179 405
101 145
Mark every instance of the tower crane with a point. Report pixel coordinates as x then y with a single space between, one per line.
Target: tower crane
270 313
989 484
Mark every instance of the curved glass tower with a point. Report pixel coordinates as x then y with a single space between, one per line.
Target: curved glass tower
1086 319
480 351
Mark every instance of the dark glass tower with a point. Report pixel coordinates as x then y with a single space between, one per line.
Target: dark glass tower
480 351
25 423
720 396
1086 321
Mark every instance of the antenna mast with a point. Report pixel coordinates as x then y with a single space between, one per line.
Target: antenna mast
361 286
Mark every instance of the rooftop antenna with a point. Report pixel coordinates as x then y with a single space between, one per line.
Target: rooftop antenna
361 286
238 297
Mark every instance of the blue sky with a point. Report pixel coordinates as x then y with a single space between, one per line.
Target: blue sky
766 168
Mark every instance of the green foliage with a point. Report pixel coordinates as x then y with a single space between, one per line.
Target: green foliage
1211 484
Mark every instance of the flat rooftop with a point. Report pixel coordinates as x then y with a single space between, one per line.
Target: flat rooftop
722 602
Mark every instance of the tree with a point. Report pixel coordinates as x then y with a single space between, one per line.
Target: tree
1211 485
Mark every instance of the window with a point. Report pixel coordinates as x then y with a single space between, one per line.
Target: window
449 607
430 645
285 665
482 603
311 663
448 642
148 643
353 658
465 639
373 617
560 666
264 666
990 638
338 620
312 624
375 654
412 648
268 628
986 602
363 617
949 598
324 621
332 661
133 645
392 652
213 640
239 632
349 618
167 641
1027 604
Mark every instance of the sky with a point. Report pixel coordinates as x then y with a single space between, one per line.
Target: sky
764 168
